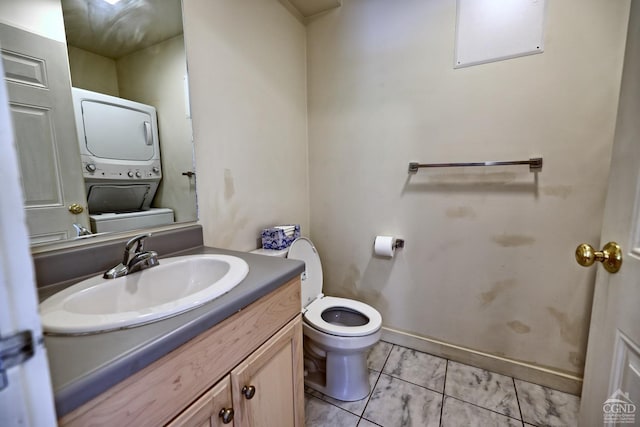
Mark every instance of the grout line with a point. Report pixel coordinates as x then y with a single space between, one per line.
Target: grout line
412 383
376 383
327 402
369 421
446 369
518 399
482 407
388 356
370 394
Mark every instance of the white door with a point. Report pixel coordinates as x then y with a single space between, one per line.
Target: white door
611 391
39 88
26 397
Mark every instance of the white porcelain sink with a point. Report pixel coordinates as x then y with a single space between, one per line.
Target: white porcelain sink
176 285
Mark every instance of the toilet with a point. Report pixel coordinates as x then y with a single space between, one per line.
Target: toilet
338 332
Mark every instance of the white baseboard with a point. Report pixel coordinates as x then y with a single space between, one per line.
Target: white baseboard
556 380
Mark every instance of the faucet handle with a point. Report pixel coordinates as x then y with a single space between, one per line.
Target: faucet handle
138 241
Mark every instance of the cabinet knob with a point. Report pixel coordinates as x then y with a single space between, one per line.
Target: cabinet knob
248 391
226 414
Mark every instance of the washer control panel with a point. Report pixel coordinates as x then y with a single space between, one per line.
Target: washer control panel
96 170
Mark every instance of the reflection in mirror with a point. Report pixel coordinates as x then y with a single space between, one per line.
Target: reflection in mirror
132 52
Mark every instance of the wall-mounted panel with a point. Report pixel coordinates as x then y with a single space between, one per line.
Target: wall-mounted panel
493 30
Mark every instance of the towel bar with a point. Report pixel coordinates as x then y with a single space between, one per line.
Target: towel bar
535 164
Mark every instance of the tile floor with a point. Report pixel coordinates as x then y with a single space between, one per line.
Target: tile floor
416 389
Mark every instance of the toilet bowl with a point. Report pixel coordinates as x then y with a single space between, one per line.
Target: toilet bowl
338 332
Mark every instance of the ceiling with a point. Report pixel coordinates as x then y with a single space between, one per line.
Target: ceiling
309 8
118 30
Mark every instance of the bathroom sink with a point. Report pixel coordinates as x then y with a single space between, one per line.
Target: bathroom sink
176 285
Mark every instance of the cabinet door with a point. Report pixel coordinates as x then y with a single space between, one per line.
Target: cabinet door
268 385
209 410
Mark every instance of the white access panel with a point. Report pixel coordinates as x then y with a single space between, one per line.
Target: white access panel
493 30
117 132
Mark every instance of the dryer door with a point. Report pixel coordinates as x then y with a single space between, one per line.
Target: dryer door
118 132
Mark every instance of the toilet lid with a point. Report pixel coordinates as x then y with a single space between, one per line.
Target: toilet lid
314 312
302 249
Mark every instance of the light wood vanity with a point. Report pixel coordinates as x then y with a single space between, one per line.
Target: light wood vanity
250 364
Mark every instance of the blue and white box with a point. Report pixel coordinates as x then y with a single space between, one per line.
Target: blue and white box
280 236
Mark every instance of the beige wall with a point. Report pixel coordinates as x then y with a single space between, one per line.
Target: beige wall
488 262
93 72
247 73
155 76
42 17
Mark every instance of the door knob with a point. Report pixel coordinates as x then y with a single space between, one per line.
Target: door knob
226 414
248 391
610 256
76 209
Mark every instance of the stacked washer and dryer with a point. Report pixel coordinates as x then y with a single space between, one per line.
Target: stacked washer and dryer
120 154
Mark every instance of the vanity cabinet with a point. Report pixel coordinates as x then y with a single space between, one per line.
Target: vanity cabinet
213 409
251 363
260 391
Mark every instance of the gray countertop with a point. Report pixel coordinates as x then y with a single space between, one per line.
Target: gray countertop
82 367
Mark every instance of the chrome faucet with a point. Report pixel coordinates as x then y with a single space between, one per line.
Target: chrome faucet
135 258
81 230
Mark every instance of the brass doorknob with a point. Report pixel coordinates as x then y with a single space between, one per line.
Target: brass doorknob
249 391
226 414
610 256
76 209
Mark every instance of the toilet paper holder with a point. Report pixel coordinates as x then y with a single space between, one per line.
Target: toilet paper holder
386 246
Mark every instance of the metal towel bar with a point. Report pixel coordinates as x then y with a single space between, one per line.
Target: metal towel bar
535 164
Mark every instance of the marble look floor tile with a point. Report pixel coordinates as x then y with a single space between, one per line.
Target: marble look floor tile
416 367
318 413
396 403
367 423
457 413
355 407
312 392
483 388
378 355
543 406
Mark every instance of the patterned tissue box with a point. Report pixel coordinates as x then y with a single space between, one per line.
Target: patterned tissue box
277 238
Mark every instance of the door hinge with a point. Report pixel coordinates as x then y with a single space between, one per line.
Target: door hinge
14 350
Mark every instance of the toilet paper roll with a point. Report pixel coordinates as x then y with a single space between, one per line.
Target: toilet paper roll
385 246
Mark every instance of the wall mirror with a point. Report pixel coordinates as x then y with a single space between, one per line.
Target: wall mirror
81 172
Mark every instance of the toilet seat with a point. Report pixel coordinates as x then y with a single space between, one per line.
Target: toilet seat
314 303
313 316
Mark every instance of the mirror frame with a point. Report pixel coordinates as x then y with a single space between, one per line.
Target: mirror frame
105 238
